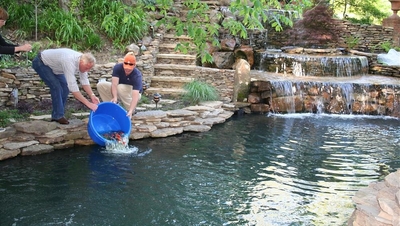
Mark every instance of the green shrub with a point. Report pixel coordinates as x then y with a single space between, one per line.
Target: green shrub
144 100
124 24
8 116
68 30
22 19
352 41
388 45
198 91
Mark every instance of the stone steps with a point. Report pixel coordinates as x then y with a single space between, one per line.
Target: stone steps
173 39
165 92
170 81
174 70
169 48
172 58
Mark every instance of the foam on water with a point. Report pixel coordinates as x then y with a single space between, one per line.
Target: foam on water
342 116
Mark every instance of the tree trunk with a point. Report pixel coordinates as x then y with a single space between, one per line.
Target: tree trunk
64 4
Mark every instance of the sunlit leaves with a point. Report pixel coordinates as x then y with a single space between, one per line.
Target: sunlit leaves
362 11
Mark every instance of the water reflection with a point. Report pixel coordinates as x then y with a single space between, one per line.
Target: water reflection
252 170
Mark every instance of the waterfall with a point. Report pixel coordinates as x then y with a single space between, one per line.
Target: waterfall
328 97
313 64
321 81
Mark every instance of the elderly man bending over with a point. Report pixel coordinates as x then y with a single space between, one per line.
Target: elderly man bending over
57 69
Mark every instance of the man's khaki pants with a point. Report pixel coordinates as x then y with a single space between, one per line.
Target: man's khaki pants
124 93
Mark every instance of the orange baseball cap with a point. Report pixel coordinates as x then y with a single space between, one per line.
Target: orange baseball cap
129 61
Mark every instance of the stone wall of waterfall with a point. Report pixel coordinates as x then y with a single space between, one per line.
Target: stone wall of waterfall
369 37
324 97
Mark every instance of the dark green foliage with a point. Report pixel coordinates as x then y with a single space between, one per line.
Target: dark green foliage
70 32
144 100
316 28
124 24
81 25
198 91
20 59
22 17
8 116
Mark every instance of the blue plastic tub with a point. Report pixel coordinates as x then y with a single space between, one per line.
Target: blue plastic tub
108 117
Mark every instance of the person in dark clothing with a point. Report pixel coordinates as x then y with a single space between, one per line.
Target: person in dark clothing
8 48
126 84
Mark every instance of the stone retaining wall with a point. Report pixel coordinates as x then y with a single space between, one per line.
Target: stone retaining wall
378 204
370 37
324 97
31 88
42 136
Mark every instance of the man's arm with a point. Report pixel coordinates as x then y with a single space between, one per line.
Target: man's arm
78 95
114 90
89 91
135 100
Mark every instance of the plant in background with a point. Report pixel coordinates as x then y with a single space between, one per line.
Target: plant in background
252 14
362 11
65 26
386 46
7 61
124 24
198 91
23 59
352 41
8 116
316 29
21 18
78 24
144 100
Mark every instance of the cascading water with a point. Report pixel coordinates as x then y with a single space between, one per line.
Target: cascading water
343 92
322 82
354 95
313 65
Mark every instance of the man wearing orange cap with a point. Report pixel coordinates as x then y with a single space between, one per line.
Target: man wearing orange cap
126 84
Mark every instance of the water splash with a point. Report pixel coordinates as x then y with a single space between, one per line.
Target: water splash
118 142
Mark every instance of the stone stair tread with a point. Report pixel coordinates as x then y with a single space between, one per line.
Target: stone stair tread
175 67
176 56
173 36
164 91
170 45
172 79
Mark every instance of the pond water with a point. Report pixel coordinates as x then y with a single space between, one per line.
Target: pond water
296 169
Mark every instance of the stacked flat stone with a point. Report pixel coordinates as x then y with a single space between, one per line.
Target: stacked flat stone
379 203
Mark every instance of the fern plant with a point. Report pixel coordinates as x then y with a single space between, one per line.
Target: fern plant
198 91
